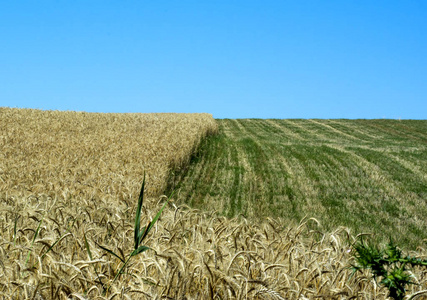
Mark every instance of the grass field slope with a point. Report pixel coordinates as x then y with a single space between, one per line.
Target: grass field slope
369 175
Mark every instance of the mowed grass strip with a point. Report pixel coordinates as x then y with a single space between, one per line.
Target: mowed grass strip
368 175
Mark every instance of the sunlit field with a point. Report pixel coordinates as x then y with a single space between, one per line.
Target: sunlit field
70 181
368 175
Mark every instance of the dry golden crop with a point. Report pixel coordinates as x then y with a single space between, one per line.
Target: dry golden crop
70 181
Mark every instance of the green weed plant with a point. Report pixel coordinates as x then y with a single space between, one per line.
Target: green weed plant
139 236
388 266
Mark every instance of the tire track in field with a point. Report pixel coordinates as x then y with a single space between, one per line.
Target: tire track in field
334 130
309 169
212 173
276 184
252 129
238 172
298 129
254 156
355 129
359 189
248 184
395 218
345 188
311 134
413 158
265 190
409 166
292 136
400 130
215 174
378 179
299 191
259 133
231 128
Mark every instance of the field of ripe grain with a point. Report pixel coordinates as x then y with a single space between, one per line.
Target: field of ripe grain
94 156
368 175
69 183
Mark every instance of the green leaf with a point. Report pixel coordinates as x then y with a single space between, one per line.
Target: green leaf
53 245
156 218
14 229
139 250
143 234
109 251
138 215
34 238
87 246
37 231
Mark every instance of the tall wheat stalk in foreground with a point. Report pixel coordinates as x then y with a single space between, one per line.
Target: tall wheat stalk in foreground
139 235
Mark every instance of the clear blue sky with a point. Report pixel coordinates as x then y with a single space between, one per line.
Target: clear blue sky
234 59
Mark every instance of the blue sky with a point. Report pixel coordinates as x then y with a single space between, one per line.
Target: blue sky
234 59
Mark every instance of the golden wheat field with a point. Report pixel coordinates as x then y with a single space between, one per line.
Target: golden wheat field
69 183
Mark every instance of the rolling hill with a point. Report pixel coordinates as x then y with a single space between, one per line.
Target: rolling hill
235 226
368 175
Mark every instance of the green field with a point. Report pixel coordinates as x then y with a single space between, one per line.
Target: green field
368 175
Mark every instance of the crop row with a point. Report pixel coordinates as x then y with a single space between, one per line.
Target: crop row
368 175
